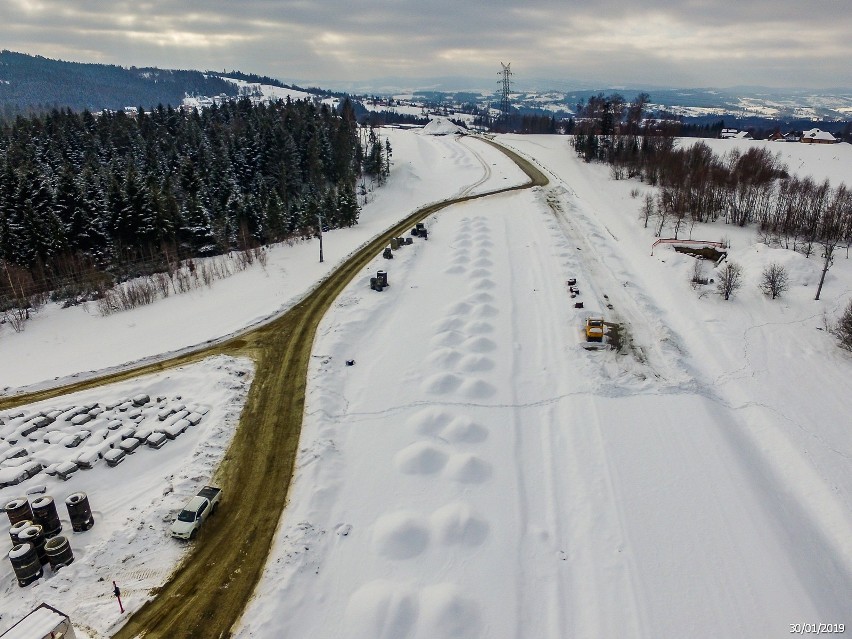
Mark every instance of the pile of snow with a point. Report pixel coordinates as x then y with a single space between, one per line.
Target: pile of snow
442 126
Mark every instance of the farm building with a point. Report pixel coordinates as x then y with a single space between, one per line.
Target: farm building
818 136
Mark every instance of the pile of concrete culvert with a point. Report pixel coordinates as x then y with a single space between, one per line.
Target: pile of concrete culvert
35 528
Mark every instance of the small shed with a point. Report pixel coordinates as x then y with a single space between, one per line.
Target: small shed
45 622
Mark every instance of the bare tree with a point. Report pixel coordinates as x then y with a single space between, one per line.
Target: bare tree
816 216
773 281
730 280
834 229
664 207
648 208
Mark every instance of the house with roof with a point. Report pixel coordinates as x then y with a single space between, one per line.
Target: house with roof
818 136
45 622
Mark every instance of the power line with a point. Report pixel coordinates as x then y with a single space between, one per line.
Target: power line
506 81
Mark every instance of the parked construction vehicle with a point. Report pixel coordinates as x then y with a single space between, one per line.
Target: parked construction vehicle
594 333
380 282
419 230
594 329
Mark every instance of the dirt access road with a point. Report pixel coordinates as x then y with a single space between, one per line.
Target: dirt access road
208 592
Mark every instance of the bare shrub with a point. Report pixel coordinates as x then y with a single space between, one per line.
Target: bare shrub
697 277
843 329
634 193
208 273
135 293
222 268
182 281
16 318
243 259
730 280
163 283
773 280
107 303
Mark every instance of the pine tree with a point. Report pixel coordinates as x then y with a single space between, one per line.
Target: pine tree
196 234
94 237
70 207
347 205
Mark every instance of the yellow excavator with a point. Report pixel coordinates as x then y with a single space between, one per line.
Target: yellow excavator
594 329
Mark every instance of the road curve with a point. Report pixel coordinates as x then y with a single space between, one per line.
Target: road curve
208 592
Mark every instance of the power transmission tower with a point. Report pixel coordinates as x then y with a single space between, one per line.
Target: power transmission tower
505 104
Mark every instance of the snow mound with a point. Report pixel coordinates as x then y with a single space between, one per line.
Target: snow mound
381 609
442 126
400 535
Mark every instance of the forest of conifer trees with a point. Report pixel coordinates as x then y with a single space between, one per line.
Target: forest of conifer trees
119 195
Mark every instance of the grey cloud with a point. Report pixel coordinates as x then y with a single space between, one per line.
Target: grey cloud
707 42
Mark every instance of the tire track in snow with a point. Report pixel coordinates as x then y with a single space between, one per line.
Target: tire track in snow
541 317
522 507
487 175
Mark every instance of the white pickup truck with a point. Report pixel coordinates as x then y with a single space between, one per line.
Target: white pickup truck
196 512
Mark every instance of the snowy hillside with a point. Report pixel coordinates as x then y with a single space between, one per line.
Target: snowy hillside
477 473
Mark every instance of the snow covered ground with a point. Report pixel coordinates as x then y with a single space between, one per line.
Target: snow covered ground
134 502
832 162
59 343
477 473
130 541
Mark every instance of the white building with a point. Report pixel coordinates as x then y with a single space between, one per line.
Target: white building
45 622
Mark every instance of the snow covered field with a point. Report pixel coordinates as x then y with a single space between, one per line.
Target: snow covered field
477 473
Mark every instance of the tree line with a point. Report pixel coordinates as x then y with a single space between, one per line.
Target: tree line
697 185
118 195
28 81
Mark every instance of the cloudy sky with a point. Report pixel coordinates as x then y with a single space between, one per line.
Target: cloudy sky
686 43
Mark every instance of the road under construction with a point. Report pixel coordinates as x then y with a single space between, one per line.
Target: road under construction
212 586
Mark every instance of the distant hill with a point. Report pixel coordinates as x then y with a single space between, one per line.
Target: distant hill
34 83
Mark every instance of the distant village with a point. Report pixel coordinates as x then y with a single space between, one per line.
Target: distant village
812 136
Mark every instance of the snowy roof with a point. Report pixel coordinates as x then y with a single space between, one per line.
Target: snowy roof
442 126
39 623
819 134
